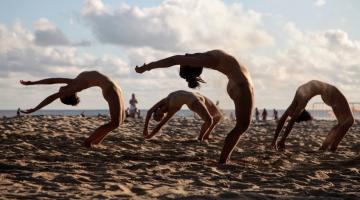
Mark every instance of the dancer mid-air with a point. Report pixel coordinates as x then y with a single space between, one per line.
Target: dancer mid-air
239 88
67 94
196 102
331 97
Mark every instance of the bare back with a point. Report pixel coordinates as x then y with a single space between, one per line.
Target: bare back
178 98
110 90
329 94
94 78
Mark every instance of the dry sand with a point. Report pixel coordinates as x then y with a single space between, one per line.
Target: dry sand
41 157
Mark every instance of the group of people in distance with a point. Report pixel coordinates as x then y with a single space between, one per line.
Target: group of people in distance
264 114
240 89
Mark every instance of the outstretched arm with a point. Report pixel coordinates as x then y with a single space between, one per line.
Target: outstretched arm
47 81
45 102
158 127
150 112
201 60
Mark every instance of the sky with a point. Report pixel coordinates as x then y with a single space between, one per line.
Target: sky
282 43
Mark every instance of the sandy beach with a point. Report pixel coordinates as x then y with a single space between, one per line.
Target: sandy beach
41 157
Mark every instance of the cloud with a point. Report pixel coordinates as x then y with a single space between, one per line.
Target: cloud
320 3
47 34
189 26
327 55
19 52
178 25
22 58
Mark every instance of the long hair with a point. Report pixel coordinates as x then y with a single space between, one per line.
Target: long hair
304 116
72 100
191 74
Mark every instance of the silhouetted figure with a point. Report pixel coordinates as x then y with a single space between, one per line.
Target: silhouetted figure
18 114
275 114
257 115
68 95
240 87
264 114
304 116
331 97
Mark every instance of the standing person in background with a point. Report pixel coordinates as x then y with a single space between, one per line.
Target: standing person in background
276 117
257 114
18 114
264 114
133 110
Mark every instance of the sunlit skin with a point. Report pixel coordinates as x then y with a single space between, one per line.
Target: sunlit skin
110 90
331 97
196 102
239 88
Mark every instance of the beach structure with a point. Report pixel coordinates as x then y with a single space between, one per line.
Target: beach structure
322 111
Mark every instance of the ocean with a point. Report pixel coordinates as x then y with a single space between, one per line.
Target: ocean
317 114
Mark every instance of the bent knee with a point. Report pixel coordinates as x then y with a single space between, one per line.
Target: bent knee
209 120
218 117
348 122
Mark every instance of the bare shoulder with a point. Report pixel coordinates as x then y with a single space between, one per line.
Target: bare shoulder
93 73
181 93
88 74
217 51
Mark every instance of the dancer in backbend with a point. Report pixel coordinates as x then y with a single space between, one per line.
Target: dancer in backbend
196 102
67 94
239 88
332 97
